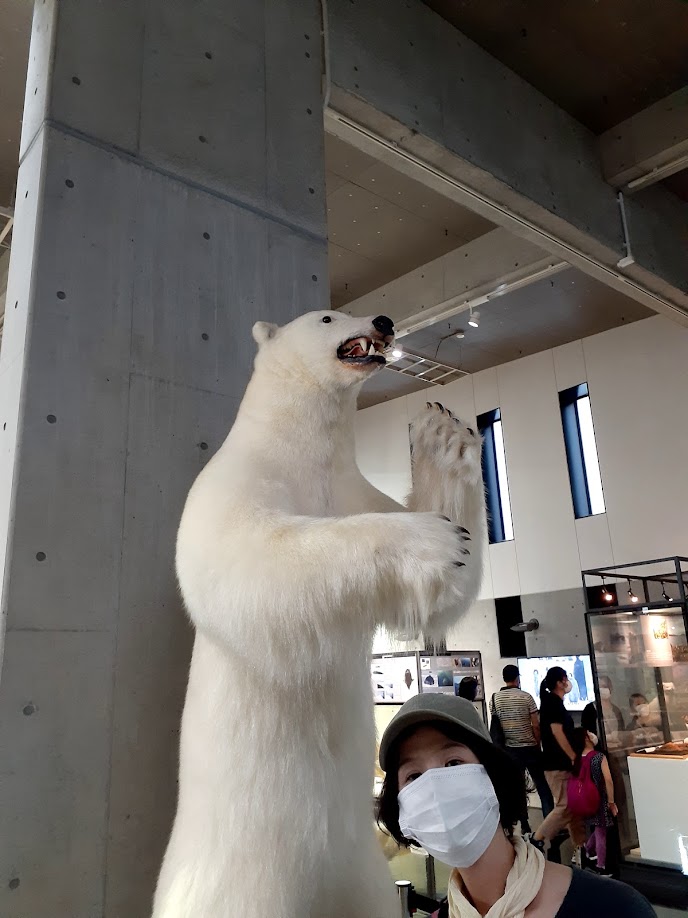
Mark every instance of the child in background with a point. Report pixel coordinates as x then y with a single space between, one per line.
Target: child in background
583 744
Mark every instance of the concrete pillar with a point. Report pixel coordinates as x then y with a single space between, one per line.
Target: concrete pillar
171 192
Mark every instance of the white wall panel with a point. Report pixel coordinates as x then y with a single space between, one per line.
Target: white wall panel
569 365
594 541
382 447
504 567
638 378
486 390
544 530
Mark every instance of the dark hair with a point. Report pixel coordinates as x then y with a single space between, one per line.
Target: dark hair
579 738
506 777
606 680
510 673
638 695
554 675
468 688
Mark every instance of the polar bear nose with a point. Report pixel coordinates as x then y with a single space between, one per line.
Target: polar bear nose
384 325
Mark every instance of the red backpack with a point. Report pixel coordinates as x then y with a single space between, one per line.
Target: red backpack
582 796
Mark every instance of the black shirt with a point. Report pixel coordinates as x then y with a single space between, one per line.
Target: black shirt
552 711
600 897
597 897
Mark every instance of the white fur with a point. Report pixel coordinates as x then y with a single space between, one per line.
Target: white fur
288 560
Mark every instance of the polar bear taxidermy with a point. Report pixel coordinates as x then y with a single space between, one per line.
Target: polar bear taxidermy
288 561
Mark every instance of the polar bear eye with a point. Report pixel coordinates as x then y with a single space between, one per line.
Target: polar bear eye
327 318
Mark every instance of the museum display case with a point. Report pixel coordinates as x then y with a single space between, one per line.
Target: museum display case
637 625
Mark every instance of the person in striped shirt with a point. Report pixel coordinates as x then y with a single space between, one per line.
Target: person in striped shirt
518 714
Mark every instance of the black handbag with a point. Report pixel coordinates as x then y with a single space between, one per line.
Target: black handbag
496 728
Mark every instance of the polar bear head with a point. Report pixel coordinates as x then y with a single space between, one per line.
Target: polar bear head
333 348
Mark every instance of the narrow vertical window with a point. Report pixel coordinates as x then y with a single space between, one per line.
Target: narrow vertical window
581 451
500 525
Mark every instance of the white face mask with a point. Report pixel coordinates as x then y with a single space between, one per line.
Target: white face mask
452 812
594 739
605 693
642 710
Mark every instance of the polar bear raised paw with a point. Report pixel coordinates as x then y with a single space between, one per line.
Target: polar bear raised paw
446 462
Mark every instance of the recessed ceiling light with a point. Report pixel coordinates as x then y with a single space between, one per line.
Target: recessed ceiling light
378 232
376 207
397 354
460 333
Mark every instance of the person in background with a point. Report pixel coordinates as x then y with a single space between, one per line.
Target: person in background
468 688
518 715
642 716
611 714
584 744
448 789
556 727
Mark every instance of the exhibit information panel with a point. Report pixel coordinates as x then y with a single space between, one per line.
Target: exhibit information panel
641 661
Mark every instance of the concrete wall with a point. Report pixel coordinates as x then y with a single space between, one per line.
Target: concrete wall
170 193
639 395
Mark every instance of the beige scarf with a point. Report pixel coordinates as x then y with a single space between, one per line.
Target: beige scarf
522 886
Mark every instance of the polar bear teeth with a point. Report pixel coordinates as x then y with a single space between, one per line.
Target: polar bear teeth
361 347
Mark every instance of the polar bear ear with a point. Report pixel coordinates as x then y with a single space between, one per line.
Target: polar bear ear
263 331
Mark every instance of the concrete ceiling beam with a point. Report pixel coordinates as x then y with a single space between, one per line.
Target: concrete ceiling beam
649 146
401 79
468 277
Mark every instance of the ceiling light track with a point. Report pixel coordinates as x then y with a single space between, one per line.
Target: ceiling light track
486 206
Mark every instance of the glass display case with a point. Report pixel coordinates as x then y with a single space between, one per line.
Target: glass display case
637 632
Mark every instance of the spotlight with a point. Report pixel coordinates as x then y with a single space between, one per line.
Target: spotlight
664 594
474 320
460 333
397 354
631 594
606 595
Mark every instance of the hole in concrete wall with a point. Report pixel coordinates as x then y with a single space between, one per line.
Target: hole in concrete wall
16 304
69 183
202 138
51 419
76 81
206 235
308 53
310 111
13 883
61 295
509 612
314 277
205 336
40 556
311 190
209 55
203 444
29 709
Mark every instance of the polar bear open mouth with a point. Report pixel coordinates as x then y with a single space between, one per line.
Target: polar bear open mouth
363 350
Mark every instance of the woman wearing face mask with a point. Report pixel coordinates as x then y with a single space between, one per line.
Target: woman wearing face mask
556 728
611 714
458 796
